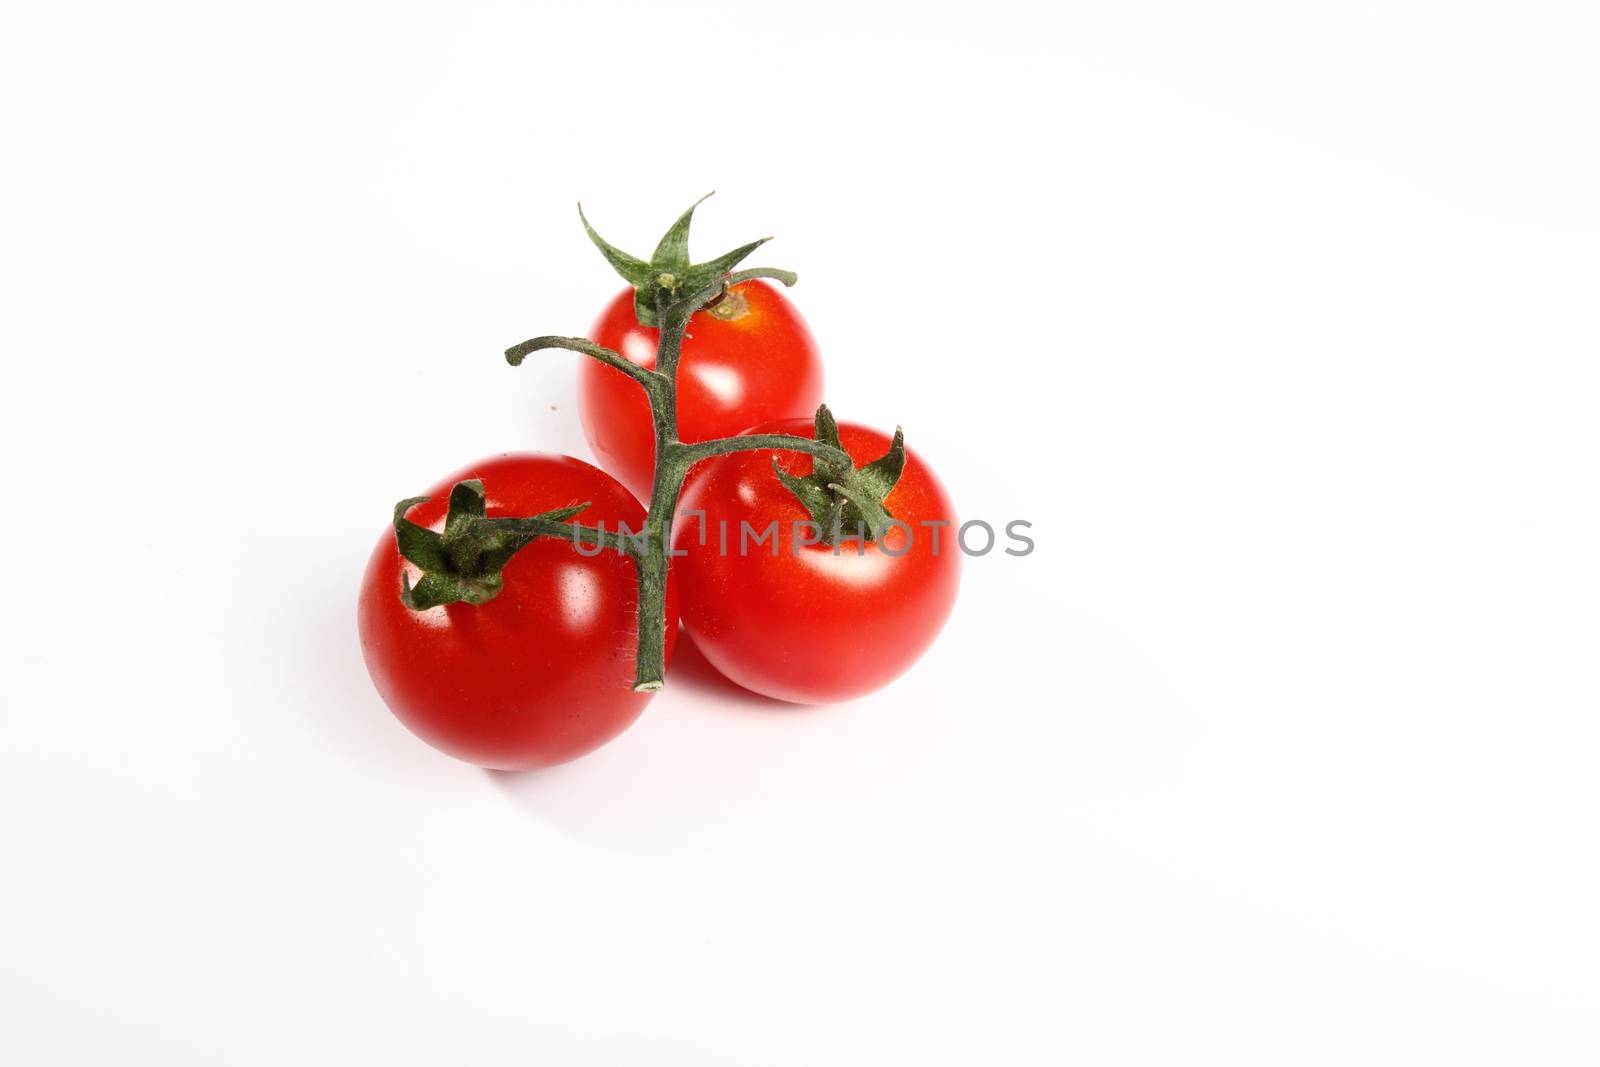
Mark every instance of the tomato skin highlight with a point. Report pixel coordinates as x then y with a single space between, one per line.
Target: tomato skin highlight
812 626
542 673
762 364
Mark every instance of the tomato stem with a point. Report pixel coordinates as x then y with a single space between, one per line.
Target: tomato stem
668 290
674 459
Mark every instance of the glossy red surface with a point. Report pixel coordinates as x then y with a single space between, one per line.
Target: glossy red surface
813 625
540 674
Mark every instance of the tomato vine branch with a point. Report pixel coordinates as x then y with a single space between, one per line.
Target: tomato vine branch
787 442
463 562
615 540
668 290
787 277
644 376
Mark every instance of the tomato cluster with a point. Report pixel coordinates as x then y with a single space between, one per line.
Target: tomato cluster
803 554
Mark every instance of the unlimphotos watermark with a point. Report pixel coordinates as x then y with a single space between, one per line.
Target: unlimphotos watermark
975 537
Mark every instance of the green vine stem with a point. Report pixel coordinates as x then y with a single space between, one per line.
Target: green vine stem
463 562
668 290
674 458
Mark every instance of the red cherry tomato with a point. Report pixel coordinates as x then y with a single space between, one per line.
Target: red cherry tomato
748 360
542 673
815 624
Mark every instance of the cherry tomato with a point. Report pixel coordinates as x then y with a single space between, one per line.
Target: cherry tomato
816 624
543 672
749 359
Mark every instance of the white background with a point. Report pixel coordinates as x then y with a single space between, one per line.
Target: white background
1278 321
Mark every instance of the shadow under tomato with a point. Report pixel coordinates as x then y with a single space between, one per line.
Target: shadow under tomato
709 769
693 673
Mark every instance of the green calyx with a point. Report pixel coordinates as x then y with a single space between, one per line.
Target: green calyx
842 499
669 274
464 562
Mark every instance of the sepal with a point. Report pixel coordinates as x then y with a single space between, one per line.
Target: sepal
669 274
844 499
464 562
